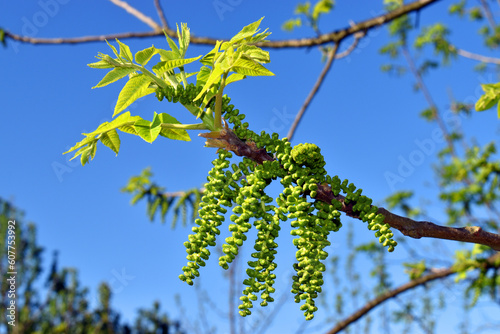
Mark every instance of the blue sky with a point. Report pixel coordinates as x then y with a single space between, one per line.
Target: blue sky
365 122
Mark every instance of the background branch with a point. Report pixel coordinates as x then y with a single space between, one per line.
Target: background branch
475 56
161 14
370 305
315 89
133 11
335 36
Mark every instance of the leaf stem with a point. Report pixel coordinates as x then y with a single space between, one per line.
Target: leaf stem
218 104
199 126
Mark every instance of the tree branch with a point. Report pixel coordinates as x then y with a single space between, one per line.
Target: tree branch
475 56
317 85
357 37
436 274
335 36
133 11
415 229
161 14
488 14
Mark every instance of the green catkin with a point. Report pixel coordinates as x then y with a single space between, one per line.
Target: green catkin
242 186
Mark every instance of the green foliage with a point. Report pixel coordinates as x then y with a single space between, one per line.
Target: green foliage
400 200
490 97
486 280
436 36
238 56
159 201
458 8
2 37
311 15
65 305
470 183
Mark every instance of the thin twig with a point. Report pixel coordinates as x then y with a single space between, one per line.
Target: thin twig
488 14
317 85
357 37
335 36
161 14
135 12
475 56
428 97
351 47
370 305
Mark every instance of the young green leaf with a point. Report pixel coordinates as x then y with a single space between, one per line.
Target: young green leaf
87 140
210 58
212 79
184 39
202 76
490 97
255 53
173 46
114 75
86 153
125 51
247 66
147 130
322 7
101 64
234 77
84 156
122 120
247 31
167 55
111 140
486 102
2 37
135 88
176 134
167 65
114 49
142 57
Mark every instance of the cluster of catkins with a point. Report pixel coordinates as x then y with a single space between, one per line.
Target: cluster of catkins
242 188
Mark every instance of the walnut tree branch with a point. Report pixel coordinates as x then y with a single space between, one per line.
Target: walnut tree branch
138 14
317 85
335 36
370 305
409 227
161 14
475 56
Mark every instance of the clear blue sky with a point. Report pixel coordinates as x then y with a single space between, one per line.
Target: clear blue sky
364 121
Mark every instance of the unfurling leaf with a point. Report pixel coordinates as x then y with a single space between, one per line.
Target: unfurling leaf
125 51
212 79
142 57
